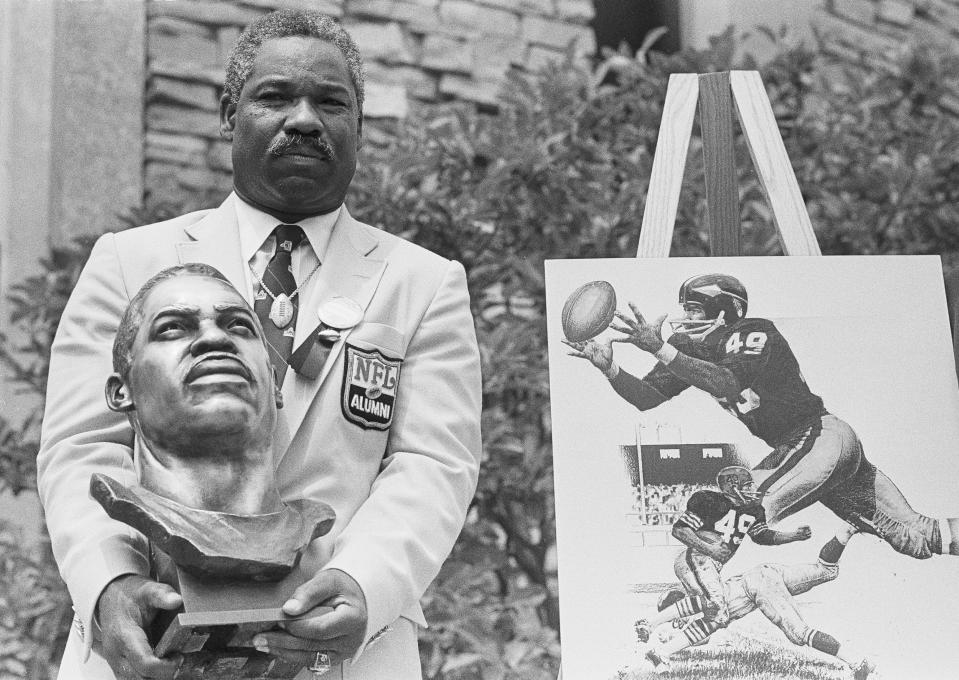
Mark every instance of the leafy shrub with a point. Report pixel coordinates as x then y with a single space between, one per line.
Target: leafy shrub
34 609
562 172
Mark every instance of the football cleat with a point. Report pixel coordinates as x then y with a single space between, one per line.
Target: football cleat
670 597
736 482
643 630
709 302
660 664
862 671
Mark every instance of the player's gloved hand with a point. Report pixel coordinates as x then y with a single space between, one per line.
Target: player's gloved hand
338 633
126 607
598 353
637 331
803 533
721 553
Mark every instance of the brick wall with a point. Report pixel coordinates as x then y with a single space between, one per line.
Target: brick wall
878 30
414 50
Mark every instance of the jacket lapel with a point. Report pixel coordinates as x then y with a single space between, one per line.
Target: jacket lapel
215 240
352 268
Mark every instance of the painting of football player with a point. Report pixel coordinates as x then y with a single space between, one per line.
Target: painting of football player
712 527
768 588
747 365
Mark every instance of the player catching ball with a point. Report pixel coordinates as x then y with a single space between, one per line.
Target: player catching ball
748 367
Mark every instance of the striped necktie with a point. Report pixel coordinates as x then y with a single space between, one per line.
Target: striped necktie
275 303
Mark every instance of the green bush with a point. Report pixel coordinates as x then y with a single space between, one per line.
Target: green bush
562 172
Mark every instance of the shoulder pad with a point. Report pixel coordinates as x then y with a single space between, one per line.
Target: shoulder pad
754 324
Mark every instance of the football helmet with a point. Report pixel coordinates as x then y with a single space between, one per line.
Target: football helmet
736 483
710 301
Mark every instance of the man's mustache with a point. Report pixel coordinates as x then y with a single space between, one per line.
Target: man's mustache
296 142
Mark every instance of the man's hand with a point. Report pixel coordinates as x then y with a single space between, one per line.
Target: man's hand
647 336
338 633
126 607
599 354
803 533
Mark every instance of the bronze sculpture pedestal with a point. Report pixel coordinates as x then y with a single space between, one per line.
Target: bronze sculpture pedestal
233 573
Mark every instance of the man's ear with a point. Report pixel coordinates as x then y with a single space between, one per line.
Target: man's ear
359 132
118 396
227 117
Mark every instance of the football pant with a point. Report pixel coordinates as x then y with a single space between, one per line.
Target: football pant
874 504
699 575
825 462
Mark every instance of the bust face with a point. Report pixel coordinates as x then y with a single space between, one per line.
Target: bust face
299 91
200 369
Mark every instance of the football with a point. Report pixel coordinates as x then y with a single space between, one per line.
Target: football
588 311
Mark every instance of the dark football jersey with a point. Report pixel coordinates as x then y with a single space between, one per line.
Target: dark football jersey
714 516
774 400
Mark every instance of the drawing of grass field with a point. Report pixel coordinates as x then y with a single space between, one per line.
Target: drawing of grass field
748 651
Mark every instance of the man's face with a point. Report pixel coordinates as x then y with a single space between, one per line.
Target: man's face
295 129
198 368
739 487
693 311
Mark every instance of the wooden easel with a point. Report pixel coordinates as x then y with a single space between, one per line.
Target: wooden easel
717 95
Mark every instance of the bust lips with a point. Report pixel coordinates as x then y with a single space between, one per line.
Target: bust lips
218 364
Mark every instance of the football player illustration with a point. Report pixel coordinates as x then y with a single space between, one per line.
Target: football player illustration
766 587
747 365
712 527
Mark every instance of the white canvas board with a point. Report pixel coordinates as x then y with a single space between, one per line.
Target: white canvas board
872 338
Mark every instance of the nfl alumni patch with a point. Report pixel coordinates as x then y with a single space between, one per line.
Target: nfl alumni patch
369 388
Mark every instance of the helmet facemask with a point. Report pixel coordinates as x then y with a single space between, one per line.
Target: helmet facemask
736 483
696 328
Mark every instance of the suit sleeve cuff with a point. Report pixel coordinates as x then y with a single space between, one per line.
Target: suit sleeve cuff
383 604
117 560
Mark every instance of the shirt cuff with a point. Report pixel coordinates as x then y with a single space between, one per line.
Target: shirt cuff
612 371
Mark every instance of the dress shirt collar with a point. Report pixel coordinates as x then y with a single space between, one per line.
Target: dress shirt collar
256 226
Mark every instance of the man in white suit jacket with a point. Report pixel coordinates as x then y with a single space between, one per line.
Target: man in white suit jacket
399 478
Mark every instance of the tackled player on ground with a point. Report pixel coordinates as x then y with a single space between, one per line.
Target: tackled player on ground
767 587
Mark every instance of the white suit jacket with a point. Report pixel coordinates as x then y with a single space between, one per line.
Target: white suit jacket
400 483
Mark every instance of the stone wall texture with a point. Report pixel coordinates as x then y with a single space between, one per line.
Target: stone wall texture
414 50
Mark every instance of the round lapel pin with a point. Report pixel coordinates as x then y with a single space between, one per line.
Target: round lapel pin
338 314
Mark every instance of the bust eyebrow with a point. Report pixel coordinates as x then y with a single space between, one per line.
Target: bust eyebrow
186 313
177 310
232 307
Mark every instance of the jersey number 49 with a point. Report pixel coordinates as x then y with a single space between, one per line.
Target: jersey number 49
732 529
